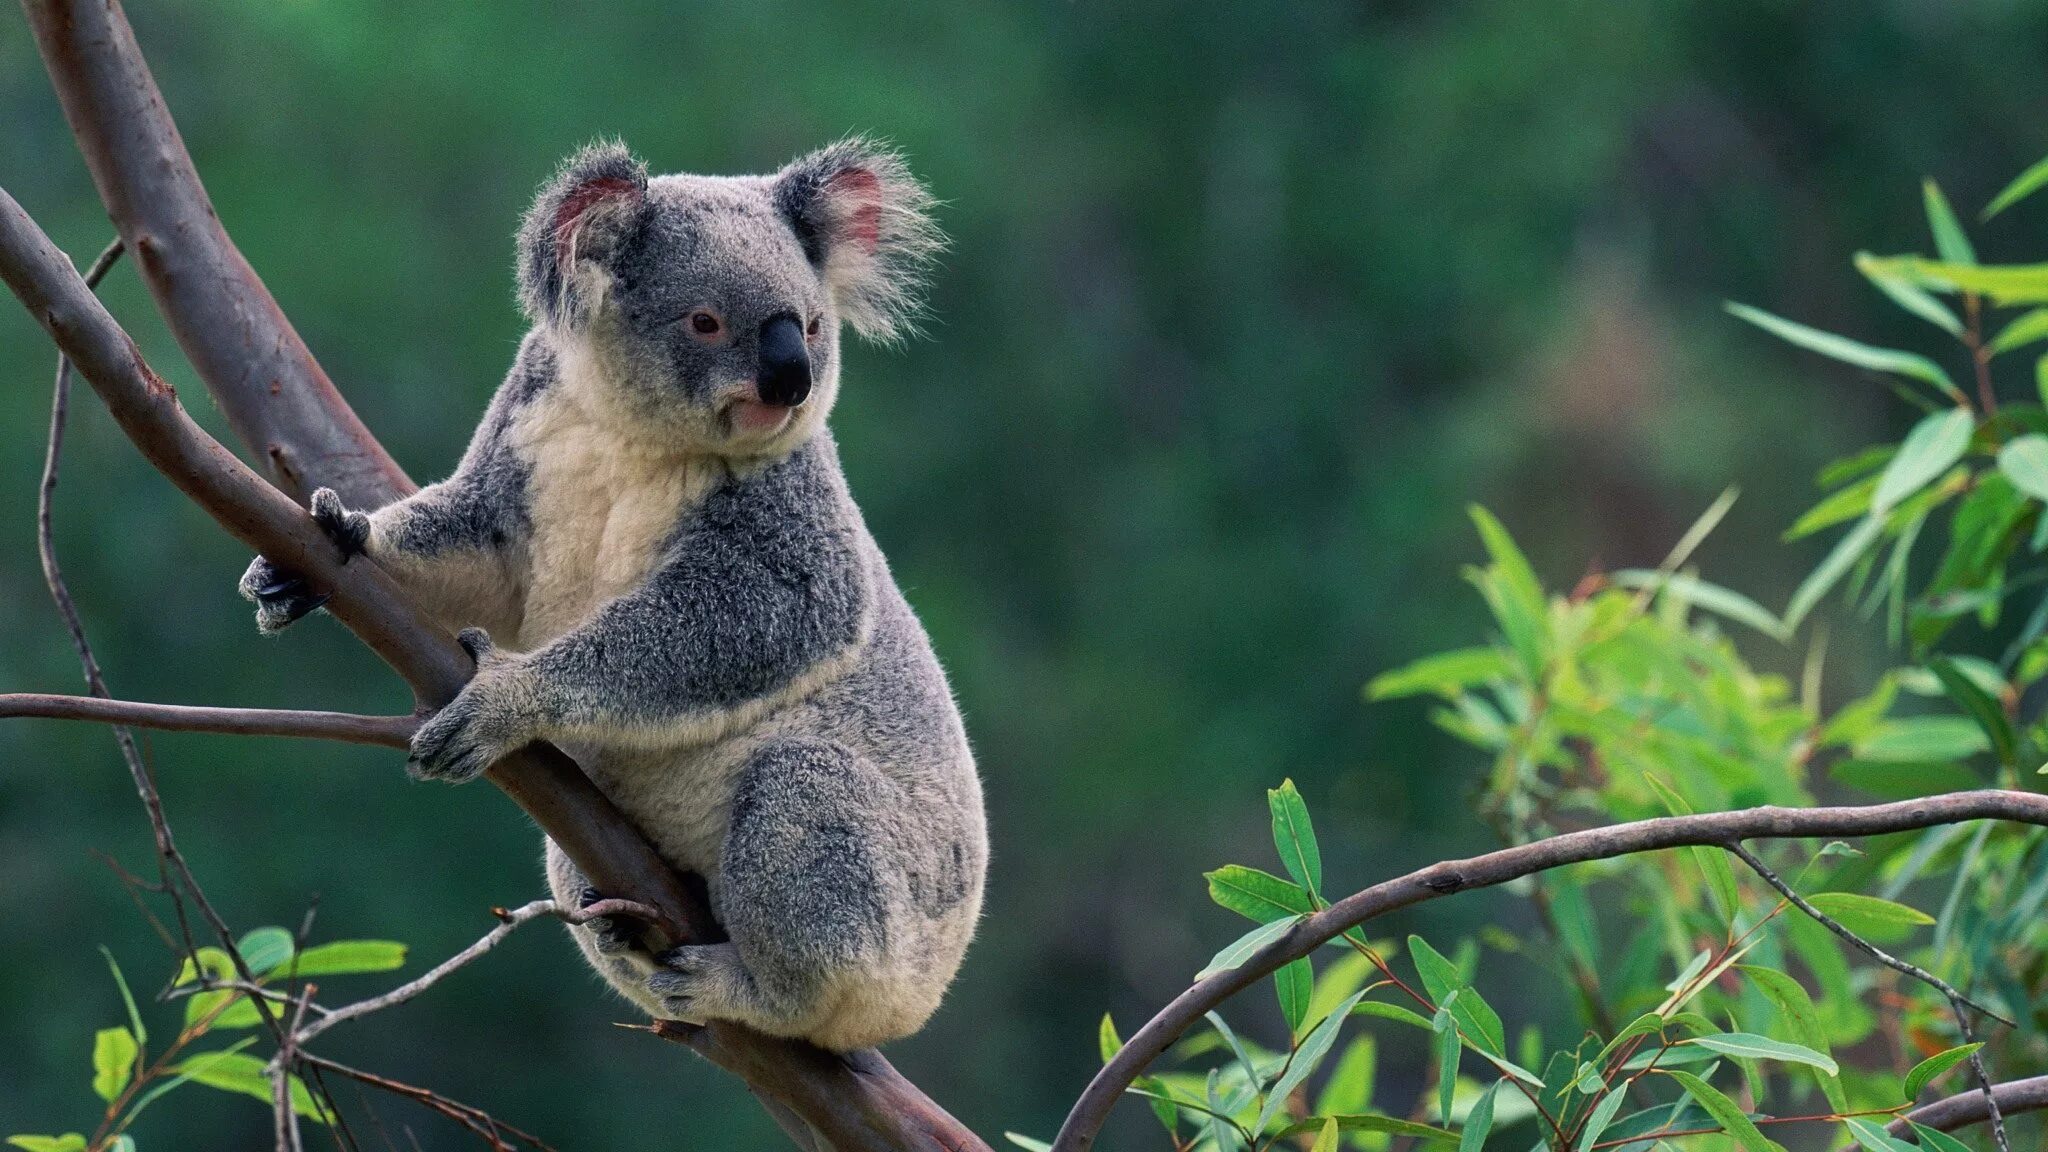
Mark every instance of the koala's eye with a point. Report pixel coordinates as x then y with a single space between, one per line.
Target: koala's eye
705 324
811 329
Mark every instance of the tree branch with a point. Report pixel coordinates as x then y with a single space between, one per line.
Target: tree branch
386 731
1966 1108
281 403
1714 829
224 318
1957 1002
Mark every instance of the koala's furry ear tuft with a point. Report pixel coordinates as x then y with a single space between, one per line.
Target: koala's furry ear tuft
865 223
591 208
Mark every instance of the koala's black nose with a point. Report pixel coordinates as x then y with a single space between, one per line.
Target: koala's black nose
784 377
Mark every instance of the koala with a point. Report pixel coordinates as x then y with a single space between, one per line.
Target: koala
650 550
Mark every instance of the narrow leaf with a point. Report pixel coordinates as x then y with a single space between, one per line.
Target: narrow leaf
2023 186
1732 1119
1326 1140
1479 1121
1868 915
1294 983
1242 949
1849 351
348 957
1295 837
1934 444
2025 462
1750 1046
1873 1138
127 999
1908 295
1846 552
1107 1039
1935 1067
1306 1057
1257 895
1950 242
1603 1115
264 949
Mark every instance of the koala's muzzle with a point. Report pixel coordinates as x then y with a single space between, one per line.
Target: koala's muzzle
784 375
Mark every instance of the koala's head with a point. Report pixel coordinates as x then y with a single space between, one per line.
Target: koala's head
711 305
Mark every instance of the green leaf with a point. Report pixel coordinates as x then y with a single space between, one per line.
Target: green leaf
2023 186
1351 1122
2006 284
1479 1121
1908 295
1750 1046
68 1142
264 949
1935 1067
1294 983
1873 1138
1838 507
1934 444
1306 1057
243 1013
1700 594
1445 674
1922 738
1849 351
1027 1143
1395 1012
1603 1115
1869 916
1295 837
127 999
1932 1140
1801 1018
122 1143
1988 713
349 957
2024 330
1256 895
1732 1119
241 1073
1440 977
1849 549
1326 1140
113 1061
1713 862
1950 242
1447 1047
2025 462
1240 950
1107 1039
1513 594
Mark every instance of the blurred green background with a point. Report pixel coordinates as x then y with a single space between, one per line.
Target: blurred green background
1244 304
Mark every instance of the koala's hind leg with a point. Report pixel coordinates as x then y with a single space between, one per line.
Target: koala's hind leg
810 873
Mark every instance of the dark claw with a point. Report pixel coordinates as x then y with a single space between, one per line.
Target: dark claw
350 531
614 934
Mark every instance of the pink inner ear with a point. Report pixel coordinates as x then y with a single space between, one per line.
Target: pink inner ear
863 207
580 200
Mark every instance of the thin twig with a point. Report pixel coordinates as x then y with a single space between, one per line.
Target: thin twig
509 921
1957 1002
475 1119
285 1118
383 731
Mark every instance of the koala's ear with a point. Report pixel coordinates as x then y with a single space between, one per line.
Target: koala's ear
865 223
582 219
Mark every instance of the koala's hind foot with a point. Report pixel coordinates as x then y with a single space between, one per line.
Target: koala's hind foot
283 596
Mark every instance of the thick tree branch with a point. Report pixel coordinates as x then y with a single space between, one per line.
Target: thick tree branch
1966 1108
295 420
1717 829
224 318
386 731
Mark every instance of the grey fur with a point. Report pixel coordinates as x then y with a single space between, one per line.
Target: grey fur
689 603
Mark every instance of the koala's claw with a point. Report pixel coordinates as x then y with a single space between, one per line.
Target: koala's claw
612 934
445 747
281 597
679 979
349 530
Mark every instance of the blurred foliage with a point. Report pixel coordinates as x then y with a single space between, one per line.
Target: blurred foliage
1626 699
1244 305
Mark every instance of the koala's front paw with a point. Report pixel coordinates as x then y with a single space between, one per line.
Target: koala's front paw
349 530
281 597
493 715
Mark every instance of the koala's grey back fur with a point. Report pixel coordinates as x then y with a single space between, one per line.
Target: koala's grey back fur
684 597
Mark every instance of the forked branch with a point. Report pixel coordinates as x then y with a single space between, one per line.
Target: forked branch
1714 829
